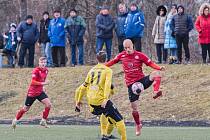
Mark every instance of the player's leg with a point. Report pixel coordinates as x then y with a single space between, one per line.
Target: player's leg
113 114
156 77
109 128
29 101
46 101
103 124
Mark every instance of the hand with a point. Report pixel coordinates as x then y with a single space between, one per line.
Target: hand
77 107
104 103
162 68
19 39
45 83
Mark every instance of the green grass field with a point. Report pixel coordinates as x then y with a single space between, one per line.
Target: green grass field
35 132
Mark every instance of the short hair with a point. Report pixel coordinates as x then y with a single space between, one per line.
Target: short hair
57 11
101 56
29 17
42 58
45 13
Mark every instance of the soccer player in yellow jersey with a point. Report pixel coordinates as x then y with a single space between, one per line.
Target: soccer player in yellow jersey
97 87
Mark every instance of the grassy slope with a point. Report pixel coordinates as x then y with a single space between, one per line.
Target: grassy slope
92 133
186 93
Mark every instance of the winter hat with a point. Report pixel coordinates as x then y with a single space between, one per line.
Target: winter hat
13 25
29 17
45 13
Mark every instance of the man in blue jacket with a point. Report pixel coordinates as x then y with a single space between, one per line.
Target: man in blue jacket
119 26
75 26
104 31
181 25
56 33
27 34
134 26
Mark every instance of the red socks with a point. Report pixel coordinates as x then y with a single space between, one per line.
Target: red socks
156 85
46 112
20 114
136 117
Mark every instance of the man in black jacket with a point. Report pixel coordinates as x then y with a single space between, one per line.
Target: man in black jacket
44 39
104 31
27 34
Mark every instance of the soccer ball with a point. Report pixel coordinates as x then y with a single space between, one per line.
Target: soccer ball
137 88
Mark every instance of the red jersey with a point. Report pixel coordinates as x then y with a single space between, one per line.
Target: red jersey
39 75
132 65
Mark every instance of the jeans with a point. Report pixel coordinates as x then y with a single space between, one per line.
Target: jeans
161 52
108 43
80 53
11 58
47 52
182 40
22 53
173 52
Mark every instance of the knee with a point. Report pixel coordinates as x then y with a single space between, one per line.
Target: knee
48 105
154 74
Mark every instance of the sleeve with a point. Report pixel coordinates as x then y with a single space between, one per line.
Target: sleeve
113 61
190 23
80 92
154 29
83 27
111 26
146 60
36 33
108 82
98 24
62 33
197 25
49 30
19 30
142 20
172 24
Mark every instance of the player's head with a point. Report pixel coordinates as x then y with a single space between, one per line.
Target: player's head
42 62
101 56
128 46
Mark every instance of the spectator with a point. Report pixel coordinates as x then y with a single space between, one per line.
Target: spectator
44 39
1 41
27 34
181 25
56 33
75 26
134 26
202 25
104 31
170 41
159 35
119 26
11 44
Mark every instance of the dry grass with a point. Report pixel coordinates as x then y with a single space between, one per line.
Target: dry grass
186 93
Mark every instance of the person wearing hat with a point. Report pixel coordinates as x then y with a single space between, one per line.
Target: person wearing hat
159 35
56 33
11 44
104 31
27 35
44 39
181 25
134 26
75 26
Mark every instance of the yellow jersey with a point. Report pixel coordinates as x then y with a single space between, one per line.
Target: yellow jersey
97 85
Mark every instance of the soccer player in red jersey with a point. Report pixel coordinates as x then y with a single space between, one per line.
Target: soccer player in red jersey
36 91
135 79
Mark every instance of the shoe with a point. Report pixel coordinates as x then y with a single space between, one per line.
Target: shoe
158 94
138 129
14 124
43 123
112 137
104 138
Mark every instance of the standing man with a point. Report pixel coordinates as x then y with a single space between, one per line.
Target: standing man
97 87
134 26
75 26
44 39
119 26
104 31
181 25
36 91
136 81
56 33
27 34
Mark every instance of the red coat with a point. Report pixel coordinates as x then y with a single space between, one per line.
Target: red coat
202 25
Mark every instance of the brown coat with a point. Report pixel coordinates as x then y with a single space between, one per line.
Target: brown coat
158 30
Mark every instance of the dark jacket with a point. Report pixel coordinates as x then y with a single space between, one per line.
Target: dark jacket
134 24
104 26
1 41
44 24
29 34
120 24
181 24
75 27
11 41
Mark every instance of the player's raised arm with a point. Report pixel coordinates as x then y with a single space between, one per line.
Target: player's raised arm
108 83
